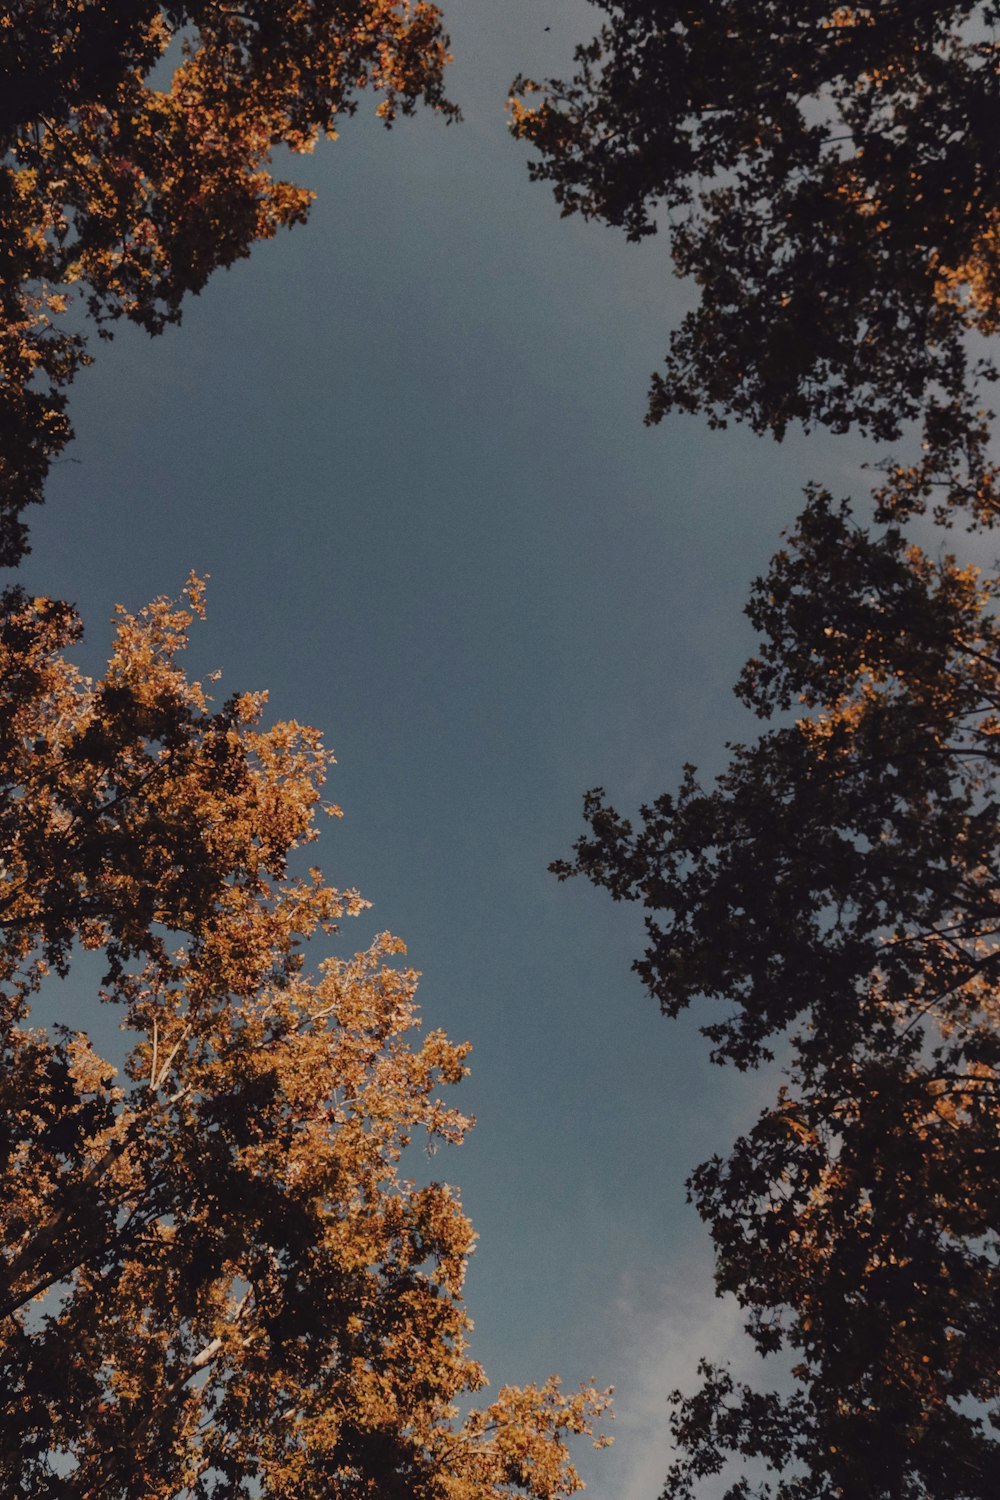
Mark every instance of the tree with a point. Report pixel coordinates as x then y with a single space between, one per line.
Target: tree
829 177
837 891
126 188
213 1279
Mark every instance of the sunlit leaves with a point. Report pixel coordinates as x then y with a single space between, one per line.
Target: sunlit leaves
215 1279
129 187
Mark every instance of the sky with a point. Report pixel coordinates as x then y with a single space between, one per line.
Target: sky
406 442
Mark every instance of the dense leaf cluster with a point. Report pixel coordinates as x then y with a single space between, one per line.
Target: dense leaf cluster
837 891
828 178
214 1280
135 144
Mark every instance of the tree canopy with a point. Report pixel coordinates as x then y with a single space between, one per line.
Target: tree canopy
214 1279
136 141
835 895
828 177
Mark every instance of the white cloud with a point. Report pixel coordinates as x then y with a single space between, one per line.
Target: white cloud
664 1320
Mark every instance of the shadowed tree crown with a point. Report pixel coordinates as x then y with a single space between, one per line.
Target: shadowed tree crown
827 175
834 895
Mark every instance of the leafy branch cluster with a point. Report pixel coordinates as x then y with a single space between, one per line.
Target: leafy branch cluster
837 889
212 1276
828 178
828 174
131 193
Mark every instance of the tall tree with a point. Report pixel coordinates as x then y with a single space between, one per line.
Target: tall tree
213 1279
837 891
136 140
828 177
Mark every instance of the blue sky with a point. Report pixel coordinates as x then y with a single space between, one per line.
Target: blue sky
406 441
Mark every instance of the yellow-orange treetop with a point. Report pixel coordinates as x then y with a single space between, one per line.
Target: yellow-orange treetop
214 1280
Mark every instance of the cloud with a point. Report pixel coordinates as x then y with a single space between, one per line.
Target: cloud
664 1320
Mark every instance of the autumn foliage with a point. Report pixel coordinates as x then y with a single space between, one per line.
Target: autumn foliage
136 141
214 1278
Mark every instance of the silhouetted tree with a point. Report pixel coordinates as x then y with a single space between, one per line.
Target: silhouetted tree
828 178
837 892
827 175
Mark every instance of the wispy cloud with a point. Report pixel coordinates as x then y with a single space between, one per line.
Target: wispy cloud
665 1319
